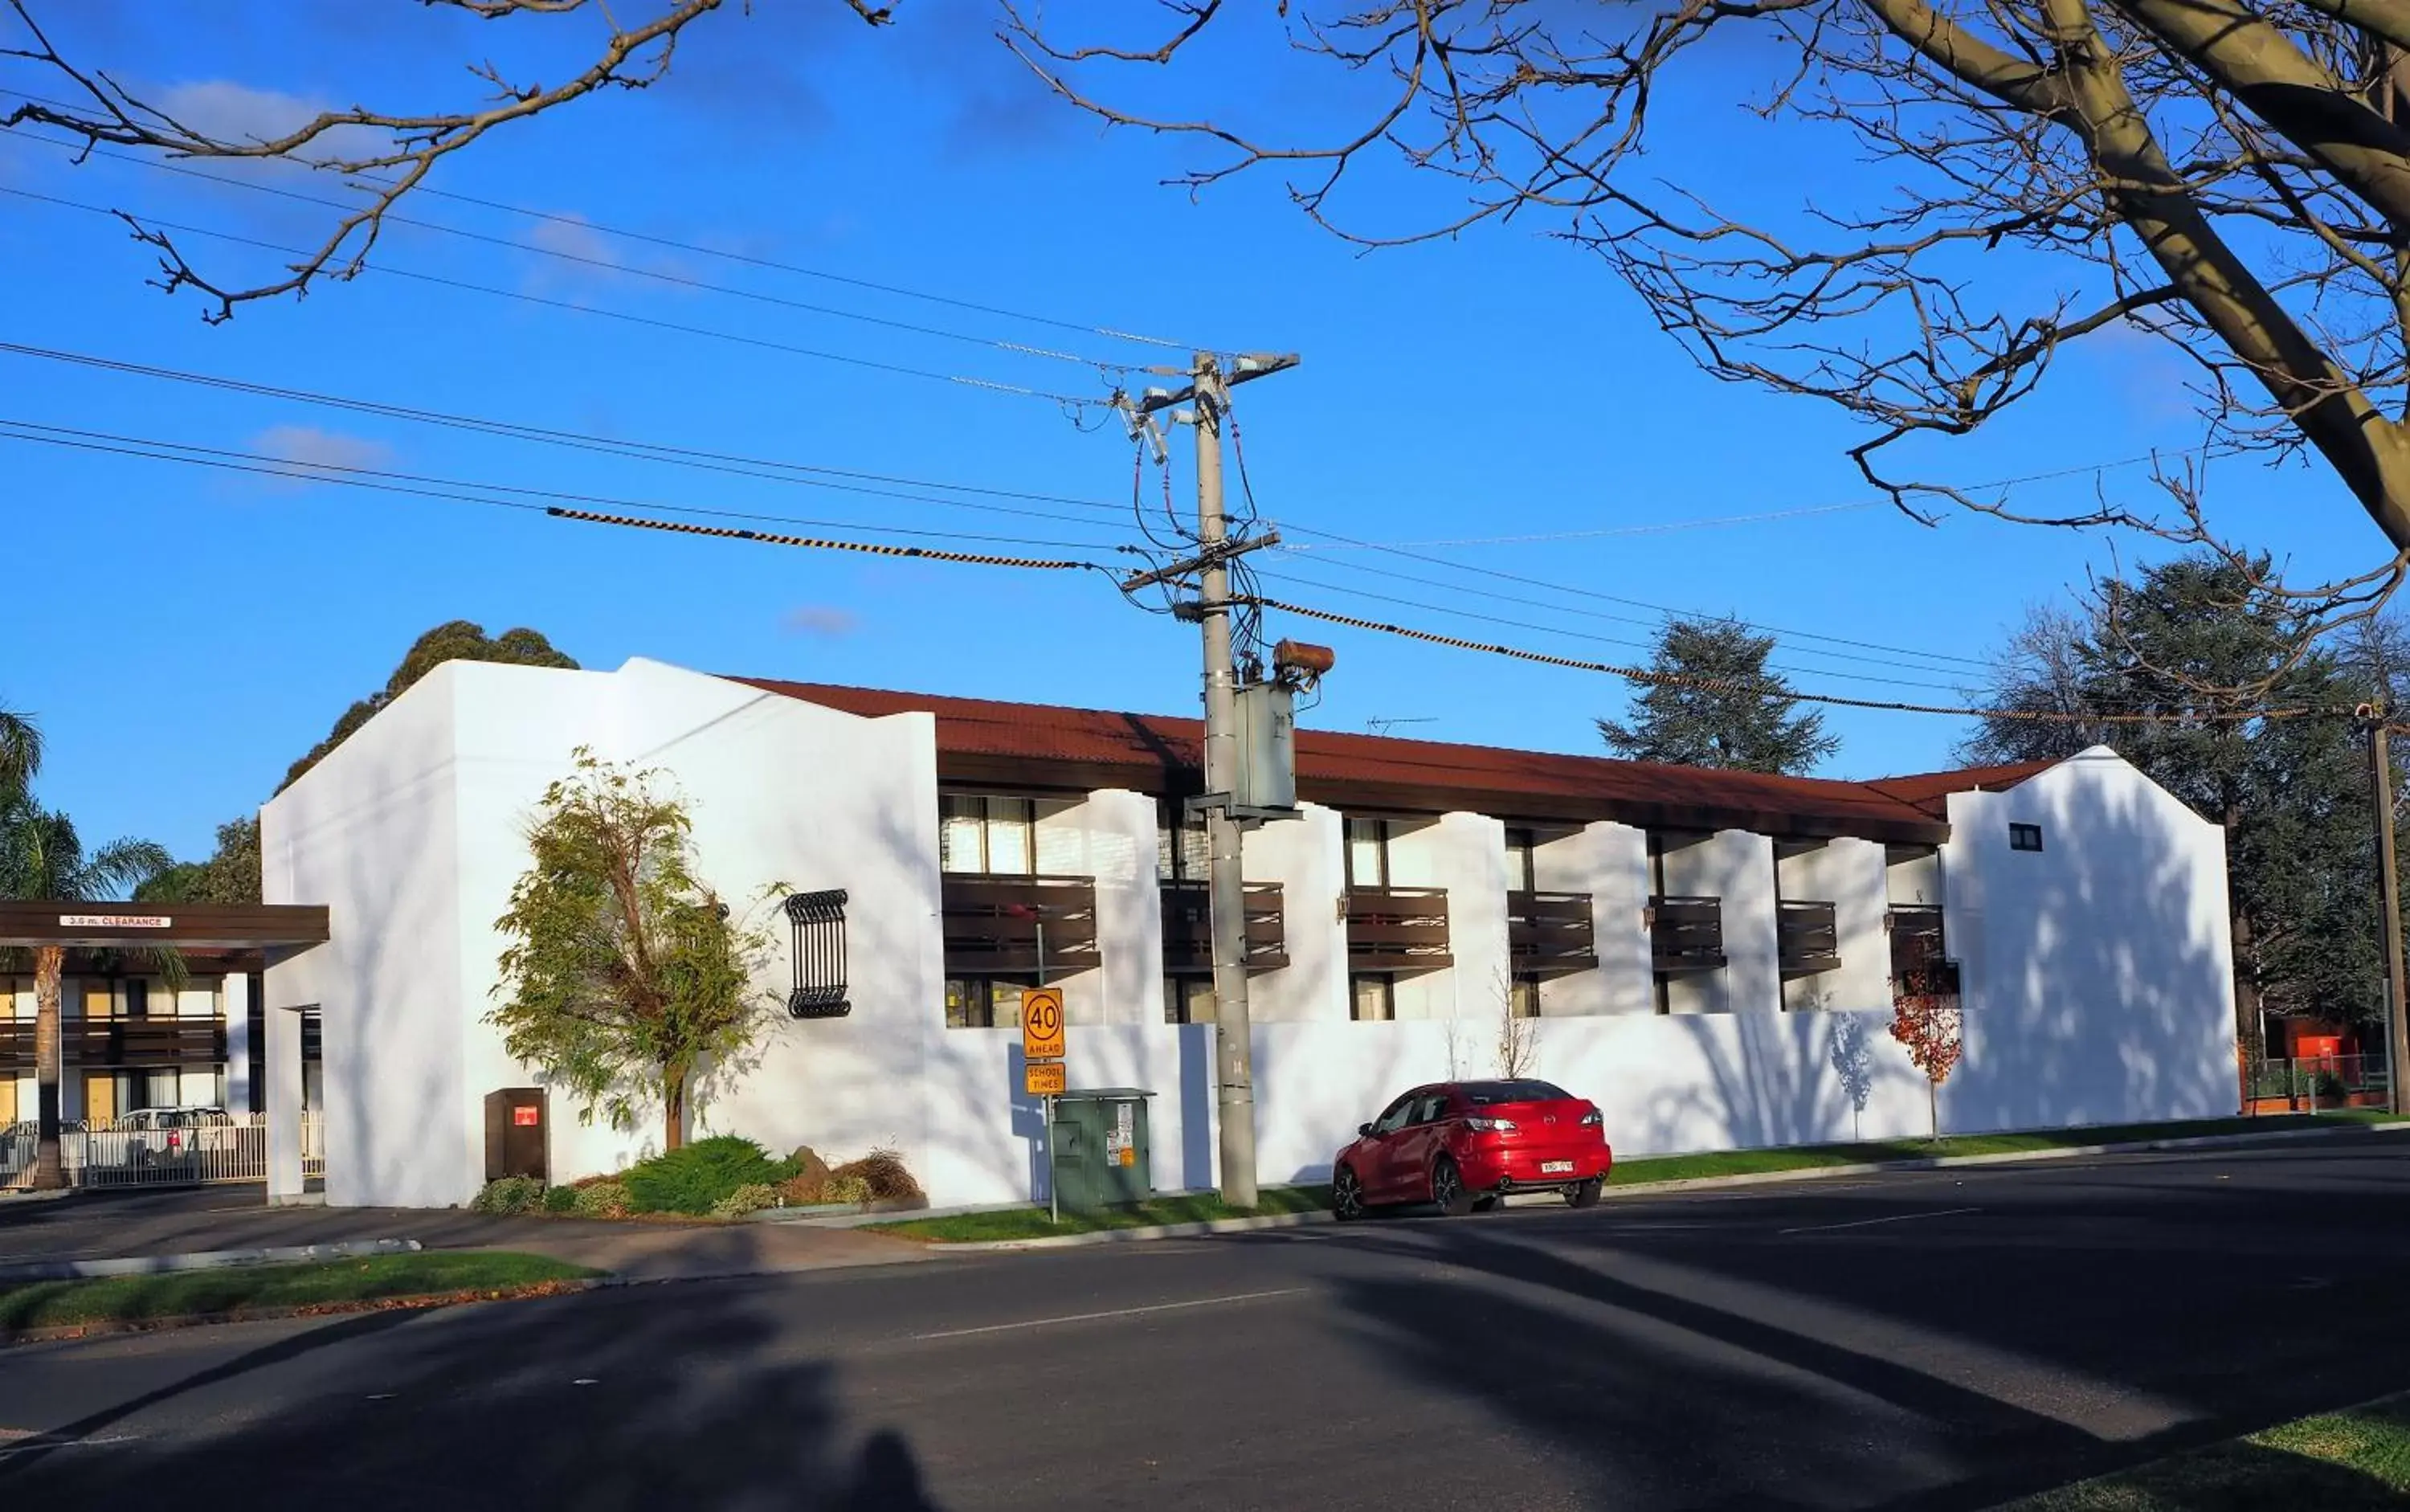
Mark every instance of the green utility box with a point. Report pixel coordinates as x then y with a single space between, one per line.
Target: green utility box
1101 1157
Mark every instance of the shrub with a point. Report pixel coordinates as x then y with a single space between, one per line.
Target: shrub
693 1177
811 1172
841 1187
560 1200
602 1198
512 1194
882 1175
745 1199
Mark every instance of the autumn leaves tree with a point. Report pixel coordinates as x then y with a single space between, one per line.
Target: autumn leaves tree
1927 1021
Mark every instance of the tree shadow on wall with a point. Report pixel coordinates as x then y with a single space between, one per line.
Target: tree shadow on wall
609 1403
2130 1028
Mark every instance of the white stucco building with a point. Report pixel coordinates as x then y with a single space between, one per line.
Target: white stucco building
1709 955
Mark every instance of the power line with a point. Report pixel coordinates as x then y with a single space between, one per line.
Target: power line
734 464
1718 521
563 255
1071 402
772 263
926 553
1678 679
458 491
1577 634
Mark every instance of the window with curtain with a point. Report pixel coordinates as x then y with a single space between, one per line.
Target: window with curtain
1367 852
984 833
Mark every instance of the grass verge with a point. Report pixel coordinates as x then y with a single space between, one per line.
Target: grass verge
1811 1157
1032 1223
250 1290
2355 1460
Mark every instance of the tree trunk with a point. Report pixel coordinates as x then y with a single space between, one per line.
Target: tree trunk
50 964
1933 1107
674 1109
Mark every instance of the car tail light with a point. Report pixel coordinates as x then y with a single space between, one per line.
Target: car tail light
1592 1119
1490 1126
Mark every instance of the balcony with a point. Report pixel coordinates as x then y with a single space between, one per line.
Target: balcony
1686 933
1549 933
993 923
1398 929
97 1044
1806 939
1188 928
1916 937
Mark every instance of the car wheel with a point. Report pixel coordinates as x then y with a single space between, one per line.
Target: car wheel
1584 1194
1347 1196
1447 1189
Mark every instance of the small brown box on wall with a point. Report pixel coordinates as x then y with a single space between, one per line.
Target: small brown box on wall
518 1140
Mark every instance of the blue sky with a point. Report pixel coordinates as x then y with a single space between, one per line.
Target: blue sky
184 634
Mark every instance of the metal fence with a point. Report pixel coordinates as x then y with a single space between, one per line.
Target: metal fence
131 1151
2312 1082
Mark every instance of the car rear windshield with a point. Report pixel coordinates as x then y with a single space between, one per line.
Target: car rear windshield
1482 1094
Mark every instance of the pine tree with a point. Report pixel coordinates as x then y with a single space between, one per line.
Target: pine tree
1725 710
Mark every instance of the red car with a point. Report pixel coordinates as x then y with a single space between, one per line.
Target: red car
1464 1145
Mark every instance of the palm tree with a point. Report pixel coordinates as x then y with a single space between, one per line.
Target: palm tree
21 751
42 857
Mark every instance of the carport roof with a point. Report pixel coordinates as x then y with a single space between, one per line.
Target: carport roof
1046 747
177 925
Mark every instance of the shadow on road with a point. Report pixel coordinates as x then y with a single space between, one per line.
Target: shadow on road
640 1400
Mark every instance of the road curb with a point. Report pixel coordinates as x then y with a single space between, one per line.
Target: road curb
114 1328
1128 1236
200 1260
2004 1158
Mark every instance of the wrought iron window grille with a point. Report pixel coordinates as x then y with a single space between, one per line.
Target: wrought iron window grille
818 921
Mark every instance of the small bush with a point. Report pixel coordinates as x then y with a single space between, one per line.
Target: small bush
844 1188
560 1200
745 1199
811 1172
512 1194
692 1178
603 1197
882 1175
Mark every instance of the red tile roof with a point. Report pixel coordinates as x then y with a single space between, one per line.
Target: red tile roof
1043 746
1931 791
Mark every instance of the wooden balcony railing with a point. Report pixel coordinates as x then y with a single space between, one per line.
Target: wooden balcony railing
133 1043
1550 934
1916 937
993 923
1807 938
1686 933
1188 928
1398 929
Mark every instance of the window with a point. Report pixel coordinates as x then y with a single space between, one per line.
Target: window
2024 837
1396 1115
1182 852
1523 999
1430 1108
1188 999
977 833
1367 852
984 1002
1522 1089
1375 998
137 998
1520 869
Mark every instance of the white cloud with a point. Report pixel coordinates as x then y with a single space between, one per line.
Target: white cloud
228 111
824 620
318 448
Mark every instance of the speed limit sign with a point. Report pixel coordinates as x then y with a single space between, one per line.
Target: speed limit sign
1041 1024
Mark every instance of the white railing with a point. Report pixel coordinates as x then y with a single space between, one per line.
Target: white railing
124 1152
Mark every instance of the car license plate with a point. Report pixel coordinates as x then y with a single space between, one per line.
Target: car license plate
1552 1167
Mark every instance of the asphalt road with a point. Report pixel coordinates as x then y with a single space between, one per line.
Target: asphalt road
1930 1340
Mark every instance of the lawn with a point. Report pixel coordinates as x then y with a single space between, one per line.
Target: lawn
2355 1460
270 1289
1031 1223
1643 1172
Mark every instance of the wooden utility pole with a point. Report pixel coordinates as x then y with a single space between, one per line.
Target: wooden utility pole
2388 895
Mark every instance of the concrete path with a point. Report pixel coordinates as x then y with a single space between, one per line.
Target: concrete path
118 1225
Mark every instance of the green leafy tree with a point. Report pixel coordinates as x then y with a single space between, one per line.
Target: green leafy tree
1726 709
625 978
21 751
231 875
2191 640
455 641
41 856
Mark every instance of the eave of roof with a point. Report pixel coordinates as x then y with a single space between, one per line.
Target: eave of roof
1043 747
